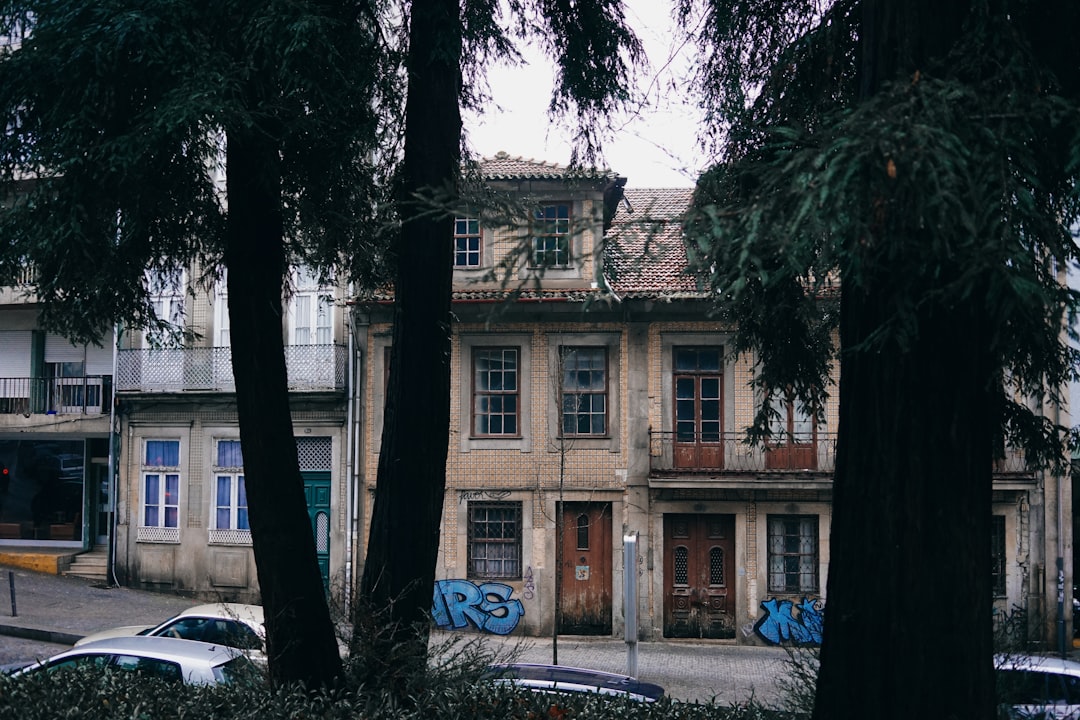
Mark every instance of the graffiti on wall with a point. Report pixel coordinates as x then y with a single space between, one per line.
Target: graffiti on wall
528 591
488 607
784 621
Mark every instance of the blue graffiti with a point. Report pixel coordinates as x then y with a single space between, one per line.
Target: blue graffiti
488 607
781 624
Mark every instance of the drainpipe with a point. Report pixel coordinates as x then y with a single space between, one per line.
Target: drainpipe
1060 560
114 445
350 463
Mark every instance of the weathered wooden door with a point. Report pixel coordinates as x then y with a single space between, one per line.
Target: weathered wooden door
699 402
585 583
317 494
699 588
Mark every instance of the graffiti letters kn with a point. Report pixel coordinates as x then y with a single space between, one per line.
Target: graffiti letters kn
781 623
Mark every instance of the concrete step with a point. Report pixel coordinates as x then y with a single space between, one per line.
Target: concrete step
93 564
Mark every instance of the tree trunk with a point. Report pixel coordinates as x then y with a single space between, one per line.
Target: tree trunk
908 616
399 572
301 643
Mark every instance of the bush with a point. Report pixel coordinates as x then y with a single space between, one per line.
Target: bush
449 688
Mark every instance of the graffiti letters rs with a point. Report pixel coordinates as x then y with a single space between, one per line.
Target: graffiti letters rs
488 607
781 624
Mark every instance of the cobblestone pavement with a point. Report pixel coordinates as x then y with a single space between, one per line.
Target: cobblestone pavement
52 612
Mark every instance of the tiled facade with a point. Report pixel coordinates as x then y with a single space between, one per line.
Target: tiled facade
754 525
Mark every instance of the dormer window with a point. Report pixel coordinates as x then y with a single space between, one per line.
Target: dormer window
551 236
467 242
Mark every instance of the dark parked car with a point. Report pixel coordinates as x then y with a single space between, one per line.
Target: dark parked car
562 679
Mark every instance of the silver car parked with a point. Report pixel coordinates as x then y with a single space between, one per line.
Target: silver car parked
164 658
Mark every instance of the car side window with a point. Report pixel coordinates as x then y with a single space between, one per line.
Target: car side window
80 661
234 634
1021 687
1072 689
184 628
219 631
150 667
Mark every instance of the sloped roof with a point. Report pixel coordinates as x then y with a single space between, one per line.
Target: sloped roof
505 167
644 251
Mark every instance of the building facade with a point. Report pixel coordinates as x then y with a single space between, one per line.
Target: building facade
55 416
181 518
594 398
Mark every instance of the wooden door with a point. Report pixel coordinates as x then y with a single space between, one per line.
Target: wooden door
585 581
699 582
317 494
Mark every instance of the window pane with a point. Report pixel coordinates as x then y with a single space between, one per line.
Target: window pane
172 489
162 453
152 487
229 454
224 491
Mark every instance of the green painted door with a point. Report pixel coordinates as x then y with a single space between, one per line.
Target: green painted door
317 495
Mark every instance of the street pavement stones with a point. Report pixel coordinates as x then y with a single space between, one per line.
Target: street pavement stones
53 611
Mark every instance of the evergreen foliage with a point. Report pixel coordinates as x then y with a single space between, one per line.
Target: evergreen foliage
973 160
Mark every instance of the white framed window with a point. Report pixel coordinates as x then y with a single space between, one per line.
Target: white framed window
229 525
167 296
222 337
311 310
160 517
468 250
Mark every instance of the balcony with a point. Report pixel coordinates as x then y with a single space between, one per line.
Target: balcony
729 453
91 395
178 370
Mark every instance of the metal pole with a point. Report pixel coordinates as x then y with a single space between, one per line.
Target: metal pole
11 583
630 601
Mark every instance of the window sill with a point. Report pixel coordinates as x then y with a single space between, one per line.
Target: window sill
229 537
161 535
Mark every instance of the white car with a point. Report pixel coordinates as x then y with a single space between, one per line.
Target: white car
164 658
1033 686
233 624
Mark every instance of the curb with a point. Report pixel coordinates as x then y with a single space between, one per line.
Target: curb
49 636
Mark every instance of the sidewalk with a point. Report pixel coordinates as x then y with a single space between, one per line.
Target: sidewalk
61 609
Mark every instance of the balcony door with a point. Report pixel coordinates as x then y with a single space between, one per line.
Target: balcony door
699 400
792 436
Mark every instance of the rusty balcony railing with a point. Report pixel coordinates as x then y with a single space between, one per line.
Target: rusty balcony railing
90 395
174 370
728 452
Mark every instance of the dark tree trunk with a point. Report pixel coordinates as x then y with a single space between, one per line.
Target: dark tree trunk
300 635
908 614
399 572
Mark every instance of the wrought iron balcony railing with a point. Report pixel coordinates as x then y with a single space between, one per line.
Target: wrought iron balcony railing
91 395
171 370
717 453
729 453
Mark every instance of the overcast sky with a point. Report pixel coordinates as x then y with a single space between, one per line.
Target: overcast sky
655 147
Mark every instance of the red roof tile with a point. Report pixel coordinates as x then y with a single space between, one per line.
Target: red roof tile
505 167
644 251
